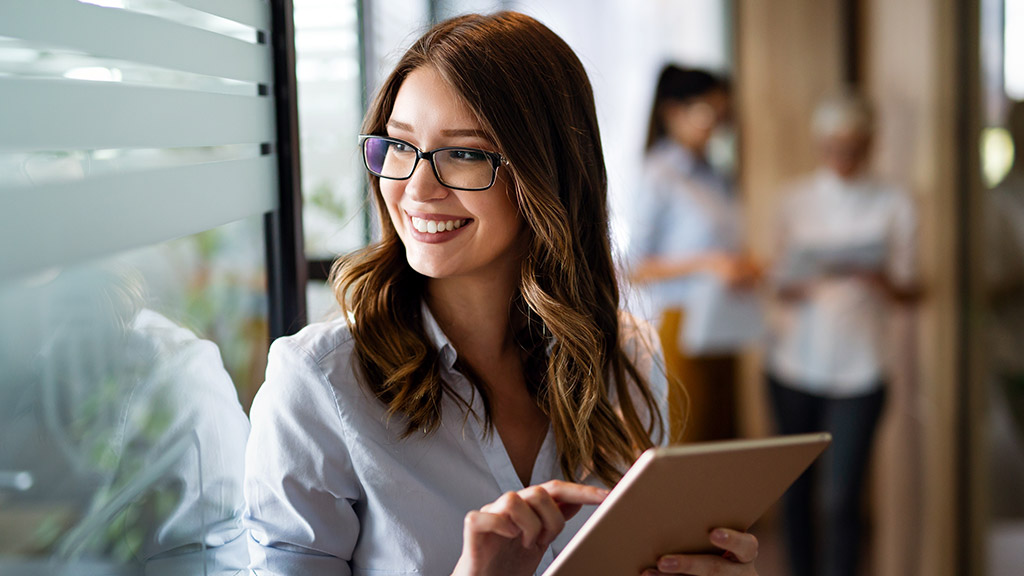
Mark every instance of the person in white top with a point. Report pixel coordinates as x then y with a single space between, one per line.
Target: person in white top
845 252
481 386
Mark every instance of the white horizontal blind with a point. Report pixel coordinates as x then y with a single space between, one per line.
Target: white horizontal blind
130 122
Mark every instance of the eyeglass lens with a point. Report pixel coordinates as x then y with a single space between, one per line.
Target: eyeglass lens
455 167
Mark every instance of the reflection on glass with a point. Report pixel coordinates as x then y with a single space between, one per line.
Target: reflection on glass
327 66
123 434
178 12
23 169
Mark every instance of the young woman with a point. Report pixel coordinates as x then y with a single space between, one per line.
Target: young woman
686 245
483 387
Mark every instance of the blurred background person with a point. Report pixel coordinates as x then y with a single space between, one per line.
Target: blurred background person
685 249
845 252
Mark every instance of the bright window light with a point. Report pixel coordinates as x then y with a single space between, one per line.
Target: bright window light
105 3
94 73
996 155
1013 62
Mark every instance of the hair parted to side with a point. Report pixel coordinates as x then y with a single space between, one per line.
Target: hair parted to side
534 100
677 84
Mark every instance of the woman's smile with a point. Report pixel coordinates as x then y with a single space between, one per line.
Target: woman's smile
435 228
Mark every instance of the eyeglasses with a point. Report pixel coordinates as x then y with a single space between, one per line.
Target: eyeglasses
455 167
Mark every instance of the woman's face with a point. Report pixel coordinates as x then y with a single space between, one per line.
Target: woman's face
486 227
691 123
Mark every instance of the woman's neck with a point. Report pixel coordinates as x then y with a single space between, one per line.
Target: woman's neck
475 314
696 150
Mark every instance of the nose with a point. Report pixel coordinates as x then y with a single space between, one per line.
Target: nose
423 185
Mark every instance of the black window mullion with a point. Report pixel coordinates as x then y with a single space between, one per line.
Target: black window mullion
286 261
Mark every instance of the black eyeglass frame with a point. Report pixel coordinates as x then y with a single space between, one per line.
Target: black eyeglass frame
497 160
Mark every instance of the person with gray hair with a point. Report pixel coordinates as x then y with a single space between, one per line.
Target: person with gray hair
845 252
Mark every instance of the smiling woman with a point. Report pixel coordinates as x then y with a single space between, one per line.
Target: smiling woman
482 386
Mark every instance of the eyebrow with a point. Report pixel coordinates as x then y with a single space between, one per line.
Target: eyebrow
454 132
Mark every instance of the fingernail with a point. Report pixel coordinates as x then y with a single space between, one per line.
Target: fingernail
668 563
720 535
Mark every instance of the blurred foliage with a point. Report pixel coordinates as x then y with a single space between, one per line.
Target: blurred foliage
225 300
323 197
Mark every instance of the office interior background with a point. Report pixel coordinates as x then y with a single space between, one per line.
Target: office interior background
176 177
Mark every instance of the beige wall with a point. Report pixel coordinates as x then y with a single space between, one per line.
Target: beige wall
789 54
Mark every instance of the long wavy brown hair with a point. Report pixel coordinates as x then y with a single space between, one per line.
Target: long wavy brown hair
533 98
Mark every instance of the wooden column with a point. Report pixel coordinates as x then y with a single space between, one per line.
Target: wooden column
911 71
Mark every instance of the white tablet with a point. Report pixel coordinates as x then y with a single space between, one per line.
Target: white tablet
673 497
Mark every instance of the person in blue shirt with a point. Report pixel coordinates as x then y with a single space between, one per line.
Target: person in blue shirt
686 242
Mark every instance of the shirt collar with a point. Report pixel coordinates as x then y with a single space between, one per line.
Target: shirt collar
852 186
677 156
683 162
437 336
443 344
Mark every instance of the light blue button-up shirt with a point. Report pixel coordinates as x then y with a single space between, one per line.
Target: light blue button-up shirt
331 488
682 209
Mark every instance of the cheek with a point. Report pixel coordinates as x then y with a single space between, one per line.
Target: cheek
390 194
508 214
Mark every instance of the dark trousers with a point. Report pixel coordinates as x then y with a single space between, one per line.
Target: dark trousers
829 546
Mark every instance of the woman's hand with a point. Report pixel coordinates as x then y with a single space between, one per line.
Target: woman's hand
734 270
738 560
509 536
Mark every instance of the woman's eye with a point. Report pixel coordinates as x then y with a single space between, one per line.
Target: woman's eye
467 155
399 147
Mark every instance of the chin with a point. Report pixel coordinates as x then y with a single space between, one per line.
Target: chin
429 267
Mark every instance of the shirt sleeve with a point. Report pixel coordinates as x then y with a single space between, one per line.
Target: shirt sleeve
646 221
300 485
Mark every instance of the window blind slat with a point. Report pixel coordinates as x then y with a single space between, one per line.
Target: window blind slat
105 215
44 114
253 13
135 37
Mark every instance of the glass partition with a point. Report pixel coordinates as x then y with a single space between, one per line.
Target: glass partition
123 434
137 168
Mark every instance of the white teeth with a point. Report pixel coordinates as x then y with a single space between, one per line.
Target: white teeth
434 226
